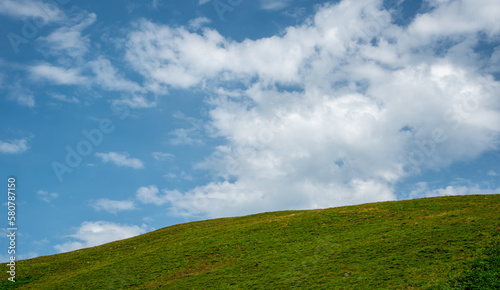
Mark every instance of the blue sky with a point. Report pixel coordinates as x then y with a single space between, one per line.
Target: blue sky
121 117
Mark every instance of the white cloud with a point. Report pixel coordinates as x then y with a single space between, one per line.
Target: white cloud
46 196
113 206
422 190
170 56
41 242
198 23
187 136
14 146
58 75
91 234
145 195
182 136
335 111
161 156
457 17
107 77
274 4
42 11
121 160
155 4
134 102
24 98
182 175
495 60
68 40
150 195
21 95
70 45
65 99
170 175
247 196
492 173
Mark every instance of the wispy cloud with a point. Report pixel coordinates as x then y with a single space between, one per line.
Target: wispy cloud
24 98
121 159
113 206
14 146
199 22
31 8
22 95
161 156
274 4
182 175
422 189
58 75
46 196
65 99
134 102
91 234
183 136
193 135
68 40
109 78
41 242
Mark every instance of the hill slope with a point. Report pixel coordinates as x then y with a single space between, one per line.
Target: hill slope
413 244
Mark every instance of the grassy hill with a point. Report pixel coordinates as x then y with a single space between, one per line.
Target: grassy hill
431 243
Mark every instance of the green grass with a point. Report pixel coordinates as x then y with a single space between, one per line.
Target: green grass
432 243
483 273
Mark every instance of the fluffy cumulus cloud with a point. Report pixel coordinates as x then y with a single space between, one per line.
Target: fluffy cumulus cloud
120 159
335 111
91 234
150 195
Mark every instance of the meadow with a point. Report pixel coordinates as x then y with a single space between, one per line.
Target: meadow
431 243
